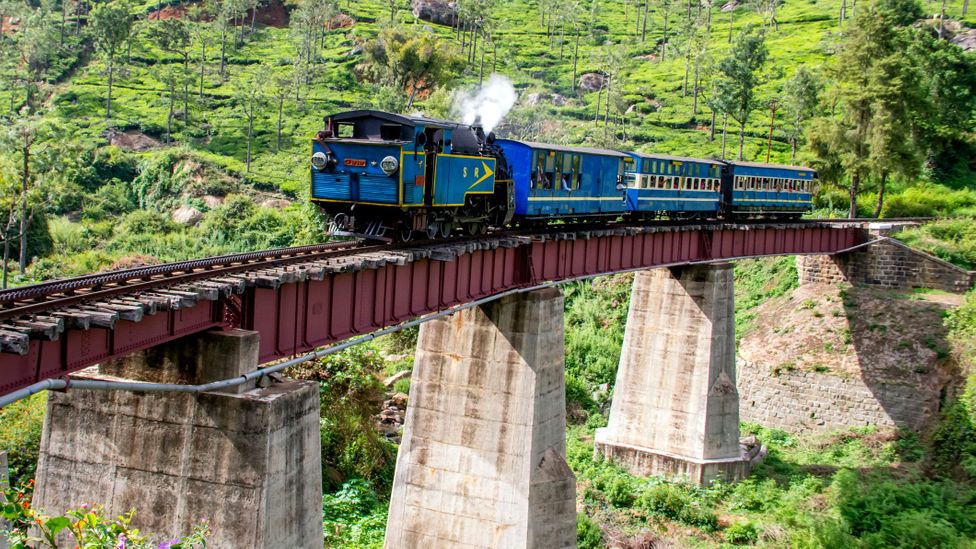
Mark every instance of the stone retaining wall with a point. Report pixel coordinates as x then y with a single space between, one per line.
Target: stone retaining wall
886 263
804 401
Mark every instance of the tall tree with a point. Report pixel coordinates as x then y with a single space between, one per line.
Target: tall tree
877 95
801 98
249 96
110 24
173 35
738 77
410 62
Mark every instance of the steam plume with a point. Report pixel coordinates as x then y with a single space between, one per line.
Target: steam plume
487 104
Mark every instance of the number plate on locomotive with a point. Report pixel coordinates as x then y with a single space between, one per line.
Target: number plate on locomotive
356 162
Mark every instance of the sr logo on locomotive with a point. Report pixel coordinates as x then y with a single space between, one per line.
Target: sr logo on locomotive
394 177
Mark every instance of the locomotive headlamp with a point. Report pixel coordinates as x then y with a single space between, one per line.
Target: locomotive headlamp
320 160
389 165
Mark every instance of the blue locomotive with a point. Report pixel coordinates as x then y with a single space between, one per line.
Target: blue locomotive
394 177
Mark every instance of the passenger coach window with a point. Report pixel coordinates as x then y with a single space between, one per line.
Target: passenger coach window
576 171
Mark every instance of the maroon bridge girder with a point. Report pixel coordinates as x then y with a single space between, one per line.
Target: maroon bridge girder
301 316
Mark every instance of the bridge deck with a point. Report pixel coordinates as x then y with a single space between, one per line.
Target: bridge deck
300 305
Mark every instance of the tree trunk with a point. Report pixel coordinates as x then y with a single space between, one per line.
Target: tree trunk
392 10
684 86
254 13
772 15
731 11
664 38
250 133
23 205
843 12
599 96
481 68
711 128
172 105
855 185
793 150
965 8
942 21
108 100
644 21
881 194
186 88
240 40
606 112
64 18
576 58
742 137
6 256
769 140
203 65
281 104
853 9
223 47
725 132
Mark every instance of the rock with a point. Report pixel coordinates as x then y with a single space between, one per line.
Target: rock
557 100
356 50
212 201
275 203
131 140
730 6
532 99
592 81
187 215
399 400
966 40
388 382
428 28
436 11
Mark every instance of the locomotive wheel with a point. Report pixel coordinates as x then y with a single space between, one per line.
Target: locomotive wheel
433 228
404 233
445 229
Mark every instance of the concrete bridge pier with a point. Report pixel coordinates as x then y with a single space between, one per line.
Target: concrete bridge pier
482 461
675 409
246 460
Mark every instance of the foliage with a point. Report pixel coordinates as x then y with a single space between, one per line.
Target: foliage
353 516
20 437
87 527
415 62
596 313
737 80
350 395
588 533
953 240
757 280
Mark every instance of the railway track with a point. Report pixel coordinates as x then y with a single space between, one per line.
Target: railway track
44 310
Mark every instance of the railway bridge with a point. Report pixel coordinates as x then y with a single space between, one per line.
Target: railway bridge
165 394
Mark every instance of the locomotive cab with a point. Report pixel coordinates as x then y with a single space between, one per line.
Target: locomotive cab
388 176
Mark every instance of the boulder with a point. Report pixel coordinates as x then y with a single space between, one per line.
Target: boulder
187 215
275 203
438 12
557 100
212 201
592 81
966 40
532 99
729 6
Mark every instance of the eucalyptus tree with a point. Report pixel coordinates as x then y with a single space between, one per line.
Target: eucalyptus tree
801 101
876 96
410 62
249 95
737 79
110 24
174 36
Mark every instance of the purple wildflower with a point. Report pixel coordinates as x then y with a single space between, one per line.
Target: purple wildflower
167 544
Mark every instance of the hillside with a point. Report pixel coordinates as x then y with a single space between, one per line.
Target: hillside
191 82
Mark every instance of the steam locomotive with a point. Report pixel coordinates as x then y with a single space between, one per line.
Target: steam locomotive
392 177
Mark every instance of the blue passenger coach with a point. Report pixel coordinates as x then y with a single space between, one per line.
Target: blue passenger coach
572 182
771 188
658 184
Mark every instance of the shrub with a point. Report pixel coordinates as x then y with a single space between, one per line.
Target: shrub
742 533
754 495
953 240
674 502
588 533
928 201
353 516
20 436
110 200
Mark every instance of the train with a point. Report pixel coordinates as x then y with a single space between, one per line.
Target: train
398 178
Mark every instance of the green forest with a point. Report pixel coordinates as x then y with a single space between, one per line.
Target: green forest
137 132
